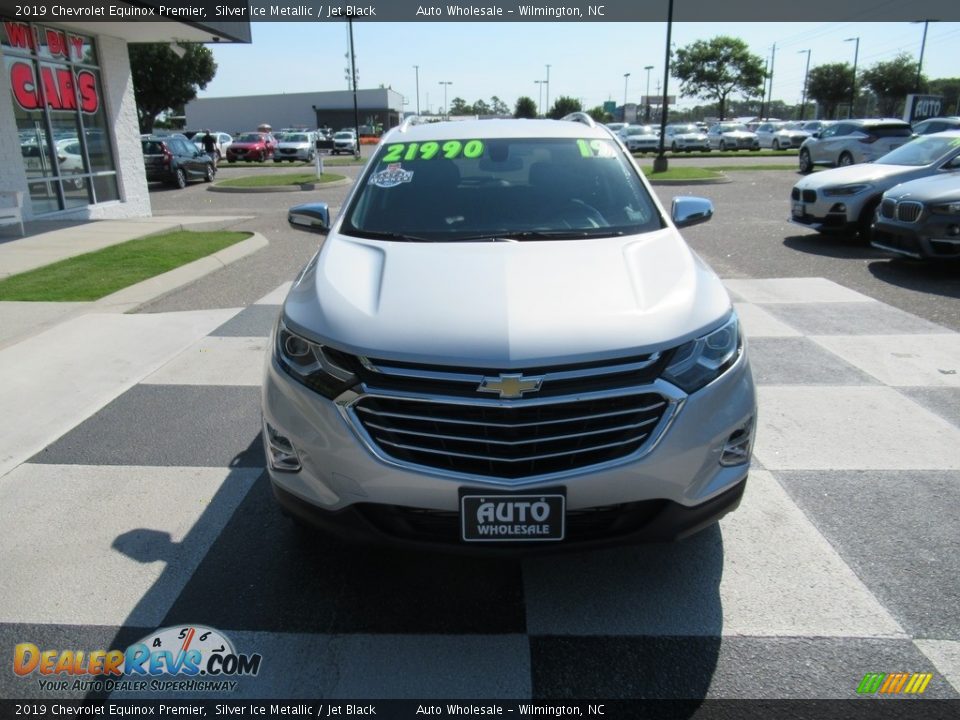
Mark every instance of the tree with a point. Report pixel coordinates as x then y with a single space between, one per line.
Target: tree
525 108
480 107
599 114
458 106
713 69
949 88
162 81
830 85
891 82
564 105
499 107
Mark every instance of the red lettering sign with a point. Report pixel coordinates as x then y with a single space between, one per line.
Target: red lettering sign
20 35
60 87
57 43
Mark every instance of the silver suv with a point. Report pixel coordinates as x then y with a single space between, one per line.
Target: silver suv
505 342
850 142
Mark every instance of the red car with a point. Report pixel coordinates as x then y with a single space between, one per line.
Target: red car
249 146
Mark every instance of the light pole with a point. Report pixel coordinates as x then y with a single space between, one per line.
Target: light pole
417 70
539 97
548 87
626 79
353 83
646 112
660 161
773 57
923 45
446 110
806 74
853 83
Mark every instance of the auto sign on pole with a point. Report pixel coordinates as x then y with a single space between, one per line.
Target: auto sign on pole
921 107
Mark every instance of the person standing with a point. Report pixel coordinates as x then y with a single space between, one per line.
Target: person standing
210 147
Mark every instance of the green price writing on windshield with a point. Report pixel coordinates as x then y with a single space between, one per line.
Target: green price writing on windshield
428 150
595 148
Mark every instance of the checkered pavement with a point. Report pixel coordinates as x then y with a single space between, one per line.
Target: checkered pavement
149 507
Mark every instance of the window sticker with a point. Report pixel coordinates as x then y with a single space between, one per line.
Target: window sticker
449 149
595 148
391 177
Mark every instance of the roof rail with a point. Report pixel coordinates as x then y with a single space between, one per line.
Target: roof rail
409 122
580 117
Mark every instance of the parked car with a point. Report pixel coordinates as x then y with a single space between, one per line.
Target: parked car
812 126
344 141
640 138
732 136
430 384
295 146
844 199
221 141
921 218
781 135
935 125
176 160
685 137
849 142
252 146
616 127
70 159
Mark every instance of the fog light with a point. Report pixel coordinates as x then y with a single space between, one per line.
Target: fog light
953 230
736 450
283 456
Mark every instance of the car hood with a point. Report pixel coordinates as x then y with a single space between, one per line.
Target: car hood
506 304
294 145
738 134
690 136
246 145
873 173
938 188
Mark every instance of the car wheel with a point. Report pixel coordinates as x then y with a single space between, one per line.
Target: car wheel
723 146
209 173
865 221
673 147
180 178
806 165
776 145
231 161
845 159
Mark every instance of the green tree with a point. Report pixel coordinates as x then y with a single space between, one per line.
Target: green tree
949 88
564 105
714 69
458 106
891 82
499 107
162 81
599 114
830 85
525 108
480 107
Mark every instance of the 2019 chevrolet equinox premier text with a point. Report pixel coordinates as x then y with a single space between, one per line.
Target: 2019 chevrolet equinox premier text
504 342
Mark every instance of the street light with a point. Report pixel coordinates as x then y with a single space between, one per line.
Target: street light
626 79
353 83
446 110
417 70
853 84
539 96
806 74
646 114
547 81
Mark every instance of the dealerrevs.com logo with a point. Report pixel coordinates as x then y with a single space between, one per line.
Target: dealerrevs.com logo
188 658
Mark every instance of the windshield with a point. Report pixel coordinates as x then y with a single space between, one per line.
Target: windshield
925 150
249 138
295 138
343 136
678 129
733 127
640 130
519 189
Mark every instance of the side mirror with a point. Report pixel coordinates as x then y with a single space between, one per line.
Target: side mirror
686 211
816 134
310 216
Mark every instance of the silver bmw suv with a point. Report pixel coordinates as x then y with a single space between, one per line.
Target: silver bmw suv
504 342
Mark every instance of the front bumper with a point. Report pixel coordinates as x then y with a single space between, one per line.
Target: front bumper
920 241
668 493
826 215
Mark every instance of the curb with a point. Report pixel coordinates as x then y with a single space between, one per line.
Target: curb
279 188
693 181
130 298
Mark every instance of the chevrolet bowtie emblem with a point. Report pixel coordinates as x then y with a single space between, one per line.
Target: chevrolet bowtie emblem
510 386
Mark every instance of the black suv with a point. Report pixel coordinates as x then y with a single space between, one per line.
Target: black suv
176 160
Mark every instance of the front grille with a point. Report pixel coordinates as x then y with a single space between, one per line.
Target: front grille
510 440
888 208
795 194
809 196
909 211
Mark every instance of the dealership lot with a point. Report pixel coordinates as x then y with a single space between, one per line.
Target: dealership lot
155 510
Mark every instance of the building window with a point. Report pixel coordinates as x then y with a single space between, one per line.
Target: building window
57 96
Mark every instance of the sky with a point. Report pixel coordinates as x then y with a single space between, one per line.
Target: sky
587 60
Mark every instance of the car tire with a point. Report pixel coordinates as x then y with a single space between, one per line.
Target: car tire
806 164
723 146
673 147
180 178
277 161
865 221
776 145
209 173
845 159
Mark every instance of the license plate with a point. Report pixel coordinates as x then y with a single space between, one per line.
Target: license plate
798 209
492 517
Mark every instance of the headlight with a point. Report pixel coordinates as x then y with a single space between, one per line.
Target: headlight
950 208
845 190
322 369
703 360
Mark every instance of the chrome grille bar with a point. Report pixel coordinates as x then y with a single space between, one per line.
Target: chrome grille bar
529 458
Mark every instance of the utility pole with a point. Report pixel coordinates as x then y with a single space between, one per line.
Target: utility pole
646 113
353 82
417 69
806 73
446 109
773 58
626 79
853 83
548 88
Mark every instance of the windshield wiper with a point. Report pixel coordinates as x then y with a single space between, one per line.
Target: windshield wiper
380 235
566 234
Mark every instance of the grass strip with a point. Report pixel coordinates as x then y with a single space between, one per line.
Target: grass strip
97 274
683 173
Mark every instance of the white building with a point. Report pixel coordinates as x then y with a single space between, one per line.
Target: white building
69 136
